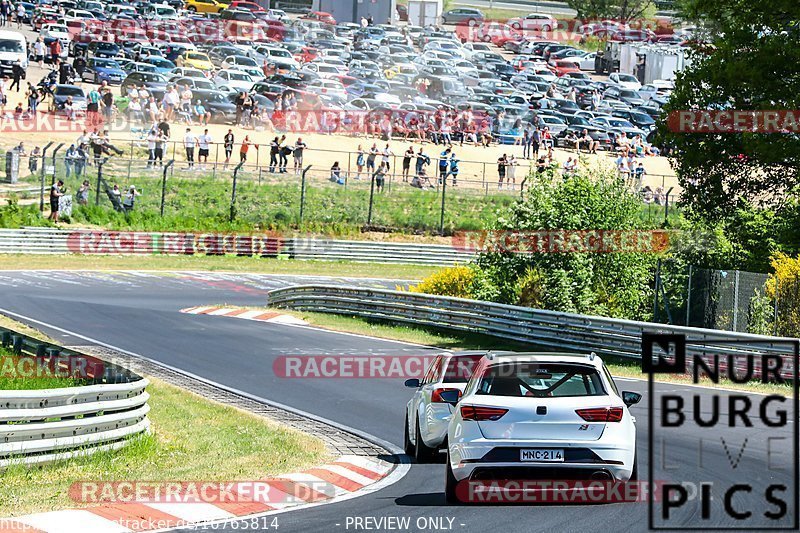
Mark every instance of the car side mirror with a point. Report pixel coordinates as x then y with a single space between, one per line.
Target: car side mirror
451 396
631 398
412 383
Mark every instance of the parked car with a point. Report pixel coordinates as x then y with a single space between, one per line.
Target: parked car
463 15
100 69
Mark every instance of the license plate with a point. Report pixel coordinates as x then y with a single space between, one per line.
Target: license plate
542 455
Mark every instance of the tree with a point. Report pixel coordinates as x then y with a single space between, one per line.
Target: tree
749 60
607 284
622 10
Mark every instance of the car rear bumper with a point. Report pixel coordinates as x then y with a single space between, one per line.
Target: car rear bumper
500 459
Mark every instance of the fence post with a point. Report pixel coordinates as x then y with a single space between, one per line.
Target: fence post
41 191
441 214
99 180
735 299
666 206
371 197
688 296
60 145
303 193
164 185
233 191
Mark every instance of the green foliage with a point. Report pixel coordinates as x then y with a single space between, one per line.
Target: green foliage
783 285
14 215
608 284
456 281
616 9
762 315
752 63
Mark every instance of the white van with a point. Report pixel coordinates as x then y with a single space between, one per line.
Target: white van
13 48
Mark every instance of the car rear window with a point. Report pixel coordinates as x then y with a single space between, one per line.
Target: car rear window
459 369
540 380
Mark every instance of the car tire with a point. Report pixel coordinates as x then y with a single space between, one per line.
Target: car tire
422 452
408 446
450 484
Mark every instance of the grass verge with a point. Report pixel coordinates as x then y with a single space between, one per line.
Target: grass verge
193 439
454 340
214 264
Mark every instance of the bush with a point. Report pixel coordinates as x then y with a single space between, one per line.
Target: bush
783 285
14 215
456 281
607 284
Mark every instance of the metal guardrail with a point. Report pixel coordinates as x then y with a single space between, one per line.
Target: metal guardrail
47 425
56 241
546 329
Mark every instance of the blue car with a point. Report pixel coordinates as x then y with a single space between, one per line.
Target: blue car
162 65
100 69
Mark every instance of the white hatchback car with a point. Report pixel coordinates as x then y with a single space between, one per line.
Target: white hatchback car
427 415
540 416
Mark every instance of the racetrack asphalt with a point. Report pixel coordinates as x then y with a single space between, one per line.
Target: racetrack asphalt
139 312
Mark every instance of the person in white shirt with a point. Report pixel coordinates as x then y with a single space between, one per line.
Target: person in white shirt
203 143
39 50
189 140
386 154
152 138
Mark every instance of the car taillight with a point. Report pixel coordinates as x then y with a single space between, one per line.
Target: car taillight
436 395
601 414
476 413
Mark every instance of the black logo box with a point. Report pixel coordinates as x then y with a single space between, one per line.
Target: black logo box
677 365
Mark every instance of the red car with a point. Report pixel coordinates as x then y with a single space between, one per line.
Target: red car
496 33
242 4
322 16
565 67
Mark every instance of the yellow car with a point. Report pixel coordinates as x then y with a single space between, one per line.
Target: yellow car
198 60
204 6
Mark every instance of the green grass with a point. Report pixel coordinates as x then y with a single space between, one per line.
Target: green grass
214 264
201 202
11 377
193 439
454 340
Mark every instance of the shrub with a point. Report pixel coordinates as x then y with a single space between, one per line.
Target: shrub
783 285
455 281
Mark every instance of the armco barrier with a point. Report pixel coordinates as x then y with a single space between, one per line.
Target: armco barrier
546 329
56 241
47 425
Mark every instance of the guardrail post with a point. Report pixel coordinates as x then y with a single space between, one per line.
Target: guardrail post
164 185
303 192
233 191
41 191
60 145
99 180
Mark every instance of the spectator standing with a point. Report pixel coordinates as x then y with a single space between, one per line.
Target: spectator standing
246 146
283 155
373 153
39 51
511 173
203 146
422 161
407 162
228 141
274 149
79 66
56 193
16 73
299 147
502 163
55 52
385 157
189 141
380 177
33 161
359 162
527 142
454 168
152 139
444 164
69 159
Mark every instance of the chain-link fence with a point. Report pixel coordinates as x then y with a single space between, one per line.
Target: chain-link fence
729 300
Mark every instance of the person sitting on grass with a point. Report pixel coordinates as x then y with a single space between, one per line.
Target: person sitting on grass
336 174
